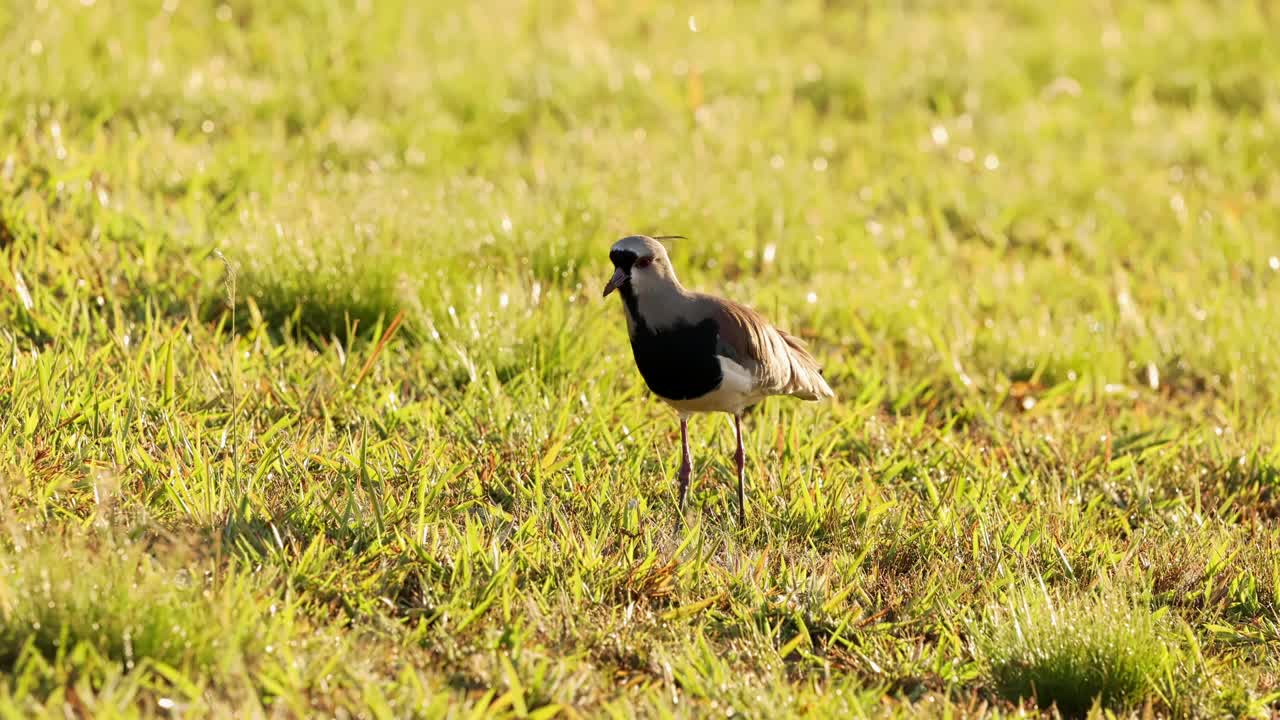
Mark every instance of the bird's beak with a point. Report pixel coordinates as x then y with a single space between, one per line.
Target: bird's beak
615 282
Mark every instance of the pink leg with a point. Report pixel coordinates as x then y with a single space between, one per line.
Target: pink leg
686 468
741 458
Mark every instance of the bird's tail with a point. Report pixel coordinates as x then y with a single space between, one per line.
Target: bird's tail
806 382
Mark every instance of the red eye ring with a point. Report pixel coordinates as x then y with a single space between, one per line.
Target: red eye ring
644 262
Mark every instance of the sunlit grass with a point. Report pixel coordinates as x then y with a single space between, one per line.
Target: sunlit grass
61 599
1075 652
1033 246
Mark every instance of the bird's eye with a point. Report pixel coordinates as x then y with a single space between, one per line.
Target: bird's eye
644 262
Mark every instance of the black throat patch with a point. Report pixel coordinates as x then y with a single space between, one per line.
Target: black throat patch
678 362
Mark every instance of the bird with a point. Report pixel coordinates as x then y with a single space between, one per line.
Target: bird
703 354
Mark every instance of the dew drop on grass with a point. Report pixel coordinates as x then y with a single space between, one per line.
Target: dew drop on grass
20 285
1274 263
812 297
940 135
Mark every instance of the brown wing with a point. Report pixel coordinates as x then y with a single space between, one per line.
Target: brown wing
779 361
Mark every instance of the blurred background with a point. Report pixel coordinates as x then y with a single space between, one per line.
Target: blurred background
987 190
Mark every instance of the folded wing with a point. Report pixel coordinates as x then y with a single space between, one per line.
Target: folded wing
780 362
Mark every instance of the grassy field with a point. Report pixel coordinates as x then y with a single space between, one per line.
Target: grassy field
1035 245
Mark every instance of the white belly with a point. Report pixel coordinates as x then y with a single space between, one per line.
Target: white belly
736 392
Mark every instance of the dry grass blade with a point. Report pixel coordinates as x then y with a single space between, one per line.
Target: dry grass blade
377 350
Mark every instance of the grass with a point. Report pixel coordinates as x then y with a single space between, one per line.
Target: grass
1035 248
1072 655
75 612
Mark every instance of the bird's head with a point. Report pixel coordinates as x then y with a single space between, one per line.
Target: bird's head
641 263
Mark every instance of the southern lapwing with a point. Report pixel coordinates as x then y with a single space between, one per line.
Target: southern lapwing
701 353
